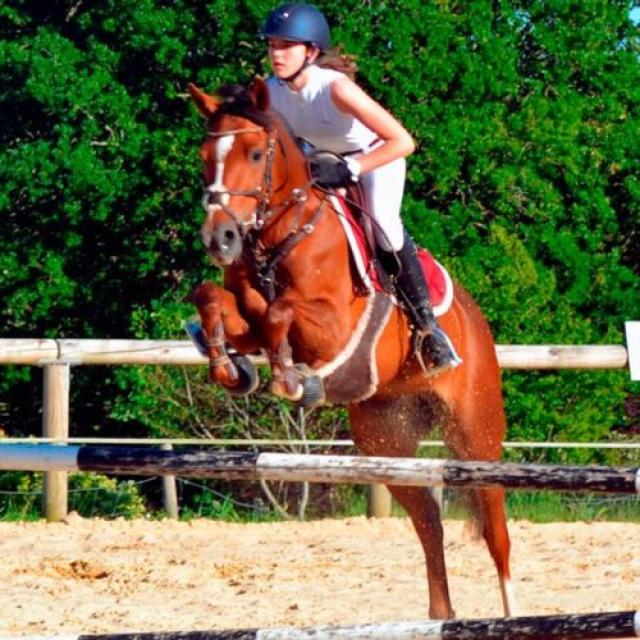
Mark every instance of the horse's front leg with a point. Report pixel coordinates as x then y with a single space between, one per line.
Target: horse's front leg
294 381
285 381
220 319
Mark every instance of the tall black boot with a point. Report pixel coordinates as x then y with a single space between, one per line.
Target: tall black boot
433 347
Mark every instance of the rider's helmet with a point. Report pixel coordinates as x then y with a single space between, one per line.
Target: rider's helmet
298 22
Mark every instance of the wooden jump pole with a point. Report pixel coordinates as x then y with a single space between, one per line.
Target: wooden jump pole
625 624
317 468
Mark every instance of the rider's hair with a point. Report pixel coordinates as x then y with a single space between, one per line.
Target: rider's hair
336 59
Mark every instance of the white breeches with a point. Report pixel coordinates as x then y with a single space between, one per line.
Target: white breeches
383 190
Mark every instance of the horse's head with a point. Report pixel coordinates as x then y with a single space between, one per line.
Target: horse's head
241 166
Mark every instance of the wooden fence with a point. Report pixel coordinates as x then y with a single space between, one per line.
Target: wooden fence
58 356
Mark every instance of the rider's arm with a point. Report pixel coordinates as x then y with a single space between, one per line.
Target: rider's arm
398 143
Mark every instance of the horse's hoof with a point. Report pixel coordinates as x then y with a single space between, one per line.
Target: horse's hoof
248 379
313 392
287 389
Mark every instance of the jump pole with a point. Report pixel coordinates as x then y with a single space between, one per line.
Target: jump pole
200 463
556 627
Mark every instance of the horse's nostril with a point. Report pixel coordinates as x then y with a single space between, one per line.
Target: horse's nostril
229 235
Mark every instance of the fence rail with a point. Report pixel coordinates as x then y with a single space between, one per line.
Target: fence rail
293 442
181 352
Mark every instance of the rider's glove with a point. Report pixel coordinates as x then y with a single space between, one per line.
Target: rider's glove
329 170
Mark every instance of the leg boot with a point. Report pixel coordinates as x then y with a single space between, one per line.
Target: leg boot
434 349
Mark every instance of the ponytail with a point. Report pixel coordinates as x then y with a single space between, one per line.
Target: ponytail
337 60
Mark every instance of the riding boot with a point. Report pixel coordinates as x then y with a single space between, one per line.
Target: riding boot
433 347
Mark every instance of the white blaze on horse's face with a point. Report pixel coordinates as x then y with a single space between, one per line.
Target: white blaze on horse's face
215 193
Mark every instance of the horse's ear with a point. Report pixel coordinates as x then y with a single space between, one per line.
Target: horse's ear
260 93
204 103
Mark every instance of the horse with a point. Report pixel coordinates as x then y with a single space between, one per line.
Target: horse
290 291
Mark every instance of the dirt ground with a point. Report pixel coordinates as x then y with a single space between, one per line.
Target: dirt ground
94 576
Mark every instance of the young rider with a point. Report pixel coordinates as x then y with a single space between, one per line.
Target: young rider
312 88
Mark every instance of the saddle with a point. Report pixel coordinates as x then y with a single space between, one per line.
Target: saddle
373 273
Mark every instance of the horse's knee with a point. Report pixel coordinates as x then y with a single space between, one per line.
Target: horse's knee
205 293
234 324
279 313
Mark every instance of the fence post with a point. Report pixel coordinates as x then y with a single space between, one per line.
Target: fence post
55 424
379 501
169 491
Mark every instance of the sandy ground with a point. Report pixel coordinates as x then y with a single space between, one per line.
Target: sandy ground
94 576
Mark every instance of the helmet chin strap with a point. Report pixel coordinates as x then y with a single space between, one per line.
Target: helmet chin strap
307 62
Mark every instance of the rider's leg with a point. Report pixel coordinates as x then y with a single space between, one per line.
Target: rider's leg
412 288
383 189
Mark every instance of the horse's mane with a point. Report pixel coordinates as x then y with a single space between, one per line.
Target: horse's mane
237 101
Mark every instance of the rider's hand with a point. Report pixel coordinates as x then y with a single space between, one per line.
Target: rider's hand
330 171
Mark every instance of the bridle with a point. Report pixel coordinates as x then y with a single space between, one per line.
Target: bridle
262 193
265 260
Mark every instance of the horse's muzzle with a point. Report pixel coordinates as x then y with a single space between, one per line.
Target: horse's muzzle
222 241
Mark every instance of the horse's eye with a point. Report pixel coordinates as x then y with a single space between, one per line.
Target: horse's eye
255 155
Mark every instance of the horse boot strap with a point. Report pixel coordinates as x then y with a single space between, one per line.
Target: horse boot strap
285 379
217 343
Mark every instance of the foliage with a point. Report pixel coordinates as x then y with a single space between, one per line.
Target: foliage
223 507
97 495
542 506
90 495
526 184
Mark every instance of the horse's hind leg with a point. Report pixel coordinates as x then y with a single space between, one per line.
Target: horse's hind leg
391 428
475 431
424 512
490 503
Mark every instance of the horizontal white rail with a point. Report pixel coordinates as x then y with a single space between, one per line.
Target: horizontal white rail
283 442
182 352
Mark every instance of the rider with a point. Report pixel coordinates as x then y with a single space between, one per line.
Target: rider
313 89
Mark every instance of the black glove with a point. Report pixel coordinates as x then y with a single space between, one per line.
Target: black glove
329 170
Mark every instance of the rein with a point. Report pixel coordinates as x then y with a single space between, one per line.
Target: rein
266 260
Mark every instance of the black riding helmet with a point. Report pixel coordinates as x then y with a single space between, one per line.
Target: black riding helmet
298 22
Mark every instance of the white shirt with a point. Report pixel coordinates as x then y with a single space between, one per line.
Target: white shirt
312 114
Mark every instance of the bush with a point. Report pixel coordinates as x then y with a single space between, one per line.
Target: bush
91 495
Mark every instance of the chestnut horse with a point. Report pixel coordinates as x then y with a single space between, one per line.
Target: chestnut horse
262 210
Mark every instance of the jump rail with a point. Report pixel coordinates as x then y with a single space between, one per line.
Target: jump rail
146 461
624 624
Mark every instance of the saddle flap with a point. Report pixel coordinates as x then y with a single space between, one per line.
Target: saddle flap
437 277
